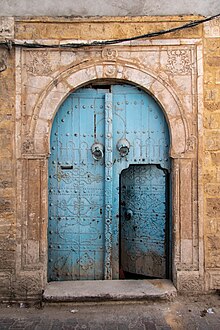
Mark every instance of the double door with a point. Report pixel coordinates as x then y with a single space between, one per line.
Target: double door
108 186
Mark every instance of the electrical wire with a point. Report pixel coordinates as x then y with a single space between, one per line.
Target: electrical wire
11 43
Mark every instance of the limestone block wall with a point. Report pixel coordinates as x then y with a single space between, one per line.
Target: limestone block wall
180 69
7 163
211 164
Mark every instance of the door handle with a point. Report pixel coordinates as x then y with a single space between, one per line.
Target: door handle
128 214
123 147
97 151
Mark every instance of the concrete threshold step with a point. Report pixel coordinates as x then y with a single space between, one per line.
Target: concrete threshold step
109 290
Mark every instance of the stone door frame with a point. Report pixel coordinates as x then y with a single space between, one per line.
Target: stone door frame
182 107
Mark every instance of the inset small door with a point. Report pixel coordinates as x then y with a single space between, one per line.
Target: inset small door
144 223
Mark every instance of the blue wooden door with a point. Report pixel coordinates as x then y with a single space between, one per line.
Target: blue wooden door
101 138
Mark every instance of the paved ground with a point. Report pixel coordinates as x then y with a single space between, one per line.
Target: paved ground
183 313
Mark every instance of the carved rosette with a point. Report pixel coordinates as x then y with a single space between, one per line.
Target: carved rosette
110 54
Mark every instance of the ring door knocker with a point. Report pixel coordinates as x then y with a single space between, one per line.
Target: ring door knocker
97 151
123 147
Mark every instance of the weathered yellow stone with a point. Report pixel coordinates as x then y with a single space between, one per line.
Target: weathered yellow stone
212 120
218 174
213 207
212 189
211 225
102 28
212 106
212 143
212 140
209 175
213 61
211 46
216 158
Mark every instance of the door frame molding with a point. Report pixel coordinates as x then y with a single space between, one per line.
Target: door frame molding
33 148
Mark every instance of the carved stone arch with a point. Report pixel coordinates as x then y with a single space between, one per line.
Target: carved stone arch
51 99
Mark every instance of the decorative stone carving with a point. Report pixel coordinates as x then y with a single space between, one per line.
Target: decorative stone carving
6 27
190 283
212 28
3 59
5 285
179 61
27 146
110 54
191 143
26 285
38 63
110 70
213 279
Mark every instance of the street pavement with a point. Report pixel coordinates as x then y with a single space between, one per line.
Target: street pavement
201 312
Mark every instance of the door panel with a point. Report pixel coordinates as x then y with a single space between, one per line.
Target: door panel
138 119
76 189
143 220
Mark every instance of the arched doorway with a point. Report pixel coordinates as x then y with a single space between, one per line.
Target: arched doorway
109 153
